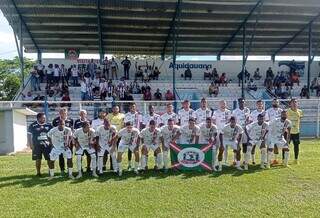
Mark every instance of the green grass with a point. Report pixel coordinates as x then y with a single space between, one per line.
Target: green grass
278 192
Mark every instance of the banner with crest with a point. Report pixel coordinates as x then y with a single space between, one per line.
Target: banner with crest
191 157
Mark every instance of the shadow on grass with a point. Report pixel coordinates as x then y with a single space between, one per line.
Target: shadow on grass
30 181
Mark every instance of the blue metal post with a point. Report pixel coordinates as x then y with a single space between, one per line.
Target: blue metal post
243 60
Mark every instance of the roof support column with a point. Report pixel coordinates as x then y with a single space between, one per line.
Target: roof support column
21 53
243 59
101 49
172 27
175 32
309 57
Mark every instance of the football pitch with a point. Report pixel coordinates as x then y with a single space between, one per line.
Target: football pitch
277 192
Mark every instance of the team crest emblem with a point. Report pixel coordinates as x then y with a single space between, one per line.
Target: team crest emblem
190 157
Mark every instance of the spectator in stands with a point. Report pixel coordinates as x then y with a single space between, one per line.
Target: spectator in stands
64 75
96 82
91 68
295 78
207 74
215 76
34 79
65 97
147 96
156 73
114 68
269 73
139 73
314 84
106 68
169 96
146 77
157 95
40 70
304 92
252 86
256 74
49 73
223 81
277 80
110 98
27 97
126 67
103 87
83 90
75 75
56 74
213 90
96 98
187 74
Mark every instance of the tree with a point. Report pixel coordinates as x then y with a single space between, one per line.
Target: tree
10 76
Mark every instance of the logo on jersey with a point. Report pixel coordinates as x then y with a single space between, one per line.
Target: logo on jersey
190 157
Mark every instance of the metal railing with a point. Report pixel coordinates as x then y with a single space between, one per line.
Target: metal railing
310 123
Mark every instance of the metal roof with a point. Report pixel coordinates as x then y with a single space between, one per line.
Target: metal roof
143 26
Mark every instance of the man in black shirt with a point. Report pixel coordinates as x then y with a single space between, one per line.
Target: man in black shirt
83 118
63 115
38 140
126 65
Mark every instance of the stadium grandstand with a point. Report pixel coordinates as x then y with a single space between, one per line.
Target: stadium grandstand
160 31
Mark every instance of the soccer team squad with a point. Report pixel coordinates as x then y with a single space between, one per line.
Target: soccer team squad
111 135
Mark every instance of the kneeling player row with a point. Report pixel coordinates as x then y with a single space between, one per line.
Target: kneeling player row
107 139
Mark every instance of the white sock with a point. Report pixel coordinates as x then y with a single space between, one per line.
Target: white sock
269 157
114 161
247 155
276 156
159 160
237 163
70 171
93 163
263 155
129 163
286 157
135 165
143 161
214 154
100 164
119 165
165 159
225 155
51 172
79 163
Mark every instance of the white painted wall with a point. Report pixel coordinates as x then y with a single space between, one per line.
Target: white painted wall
6 133
19 131
232 68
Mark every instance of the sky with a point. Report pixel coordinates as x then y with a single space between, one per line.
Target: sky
8 49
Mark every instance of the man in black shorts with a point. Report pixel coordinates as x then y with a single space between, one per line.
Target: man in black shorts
38 140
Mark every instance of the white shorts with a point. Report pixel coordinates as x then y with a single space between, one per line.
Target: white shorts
123 147
231 144
55 153
153 147
280 143
103 150
81 150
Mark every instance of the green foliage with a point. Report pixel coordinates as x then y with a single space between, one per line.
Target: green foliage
277 192
10 76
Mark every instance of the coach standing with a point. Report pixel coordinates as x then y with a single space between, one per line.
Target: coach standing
295 115
38 140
